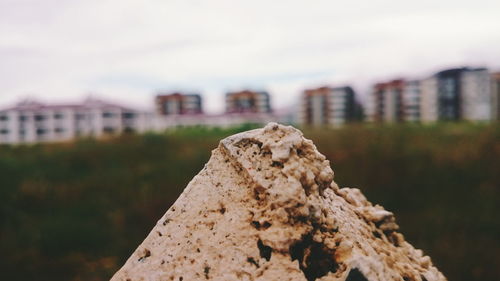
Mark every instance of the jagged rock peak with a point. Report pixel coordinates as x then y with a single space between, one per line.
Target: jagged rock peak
265 207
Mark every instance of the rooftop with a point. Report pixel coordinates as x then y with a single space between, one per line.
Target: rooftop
34 105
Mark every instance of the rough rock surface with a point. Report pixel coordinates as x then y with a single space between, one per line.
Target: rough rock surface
265 207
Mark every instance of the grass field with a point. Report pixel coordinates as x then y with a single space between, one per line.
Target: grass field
76 211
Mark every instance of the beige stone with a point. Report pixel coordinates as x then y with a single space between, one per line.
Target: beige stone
265 207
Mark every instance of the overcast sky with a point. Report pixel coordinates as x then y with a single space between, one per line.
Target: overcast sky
62 50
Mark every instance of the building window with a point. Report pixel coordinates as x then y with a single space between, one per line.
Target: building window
58 115
59 130
39 117
41 131
4 118
23 118
4 131
128 115
108 115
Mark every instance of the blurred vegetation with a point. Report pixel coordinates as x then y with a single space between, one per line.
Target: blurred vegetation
76 211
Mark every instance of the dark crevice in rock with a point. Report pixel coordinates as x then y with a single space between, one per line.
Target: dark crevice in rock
206 270
315 260
166 221
355 275
252 261
248 142
265 251
277 164
257 225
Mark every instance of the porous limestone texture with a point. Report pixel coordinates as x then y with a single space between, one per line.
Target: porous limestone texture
265 207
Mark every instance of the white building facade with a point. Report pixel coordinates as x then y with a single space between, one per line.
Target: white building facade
495 96
32 122
411 101
225 120
476 95
429 99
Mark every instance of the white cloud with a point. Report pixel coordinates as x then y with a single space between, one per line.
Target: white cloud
63 49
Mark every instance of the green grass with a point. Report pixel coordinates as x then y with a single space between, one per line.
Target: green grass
76 211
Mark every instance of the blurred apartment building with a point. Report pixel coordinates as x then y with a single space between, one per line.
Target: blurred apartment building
395 101
178 104
449 95
387 101
247 101
185 110
328 106
30 122
495 96
457 94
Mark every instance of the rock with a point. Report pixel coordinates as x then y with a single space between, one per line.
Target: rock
265 207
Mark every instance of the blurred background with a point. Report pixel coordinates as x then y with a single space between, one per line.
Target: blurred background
109 108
